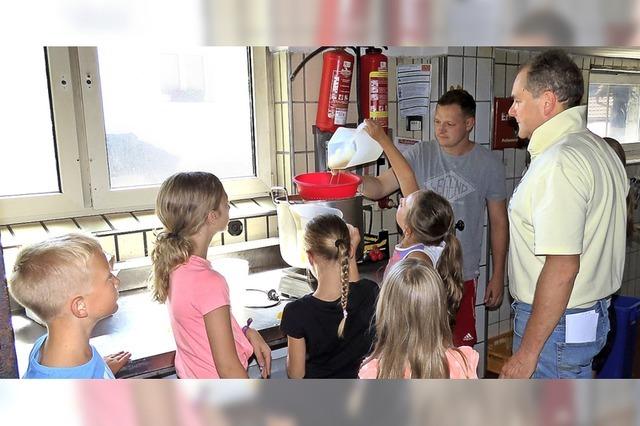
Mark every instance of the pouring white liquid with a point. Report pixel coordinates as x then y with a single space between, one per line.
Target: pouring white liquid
335 177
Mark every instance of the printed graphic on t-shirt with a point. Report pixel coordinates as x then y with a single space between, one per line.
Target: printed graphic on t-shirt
451 186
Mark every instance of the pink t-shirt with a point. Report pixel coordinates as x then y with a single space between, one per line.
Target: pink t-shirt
195 289
457 368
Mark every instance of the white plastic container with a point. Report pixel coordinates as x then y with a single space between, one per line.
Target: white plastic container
292 221
351 147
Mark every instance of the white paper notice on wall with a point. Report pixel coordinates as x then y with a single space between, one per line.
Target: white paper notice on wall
581 327
414 89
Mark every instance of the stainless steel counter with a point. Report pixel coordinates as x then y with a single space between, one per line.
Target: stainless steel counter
141 326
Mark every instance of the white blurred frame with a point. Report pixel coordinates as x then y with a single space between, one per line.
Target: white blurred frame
25 208
103 197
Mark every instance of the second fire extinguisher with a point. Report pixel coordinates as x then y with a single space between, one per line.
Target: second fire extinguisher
374 86
335 85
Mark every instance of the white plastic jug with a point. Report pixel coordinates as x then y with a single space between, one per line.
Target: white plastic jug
292 221
351 147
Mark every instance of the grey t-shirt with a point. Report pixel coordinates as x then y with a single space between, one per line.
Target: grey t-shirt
467 181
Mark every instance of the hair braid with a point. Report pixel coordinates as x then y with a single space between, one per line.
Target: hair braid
343 256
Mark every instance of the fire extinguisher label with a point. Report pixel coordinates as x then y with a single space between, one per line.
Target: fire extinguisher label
340 117
378 97
339 99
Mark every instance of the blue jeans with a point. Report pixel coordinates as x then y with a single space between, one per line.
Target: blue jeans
560 360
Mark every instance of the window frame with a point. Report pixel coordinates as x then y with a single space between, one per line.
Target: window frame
82 152
61 96
144 197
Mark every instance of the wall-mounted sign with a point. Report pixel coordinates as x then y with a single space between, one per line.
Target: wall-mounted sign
414 89
505 128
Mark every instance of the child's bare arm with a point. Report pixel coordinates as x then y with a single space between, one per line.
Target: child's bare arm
296 354
354 233
223 347
403 171
377 187
261 350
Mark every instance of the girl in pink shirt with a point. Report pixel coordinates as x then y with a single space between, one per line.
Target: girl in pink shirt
193 207
413 336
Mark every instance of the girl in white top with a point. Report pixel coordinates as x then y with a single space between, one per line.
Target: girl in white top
427 222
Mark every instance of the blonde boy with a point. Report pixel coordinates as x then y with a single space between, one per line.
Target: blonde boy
67 282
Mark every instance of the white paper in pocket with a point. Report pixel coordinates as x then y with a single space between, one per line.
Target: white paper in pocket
581 327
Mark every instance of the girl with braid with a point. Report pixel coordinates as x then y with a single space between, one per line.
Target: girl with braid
330 331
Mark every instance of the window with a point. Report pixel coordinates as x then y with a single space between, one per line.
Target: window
173 110
39 170
98 129
613 107
27 128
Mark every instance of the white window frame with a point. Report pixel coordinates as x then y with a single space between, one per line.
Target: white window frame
32 207
82 152
136 198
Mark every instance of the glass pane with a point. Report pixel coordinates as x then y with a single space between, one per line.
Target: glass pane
174 110
27 149
614 111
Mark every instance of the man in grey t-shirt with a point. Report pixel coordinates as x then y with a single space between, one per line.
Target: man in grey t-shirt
470 177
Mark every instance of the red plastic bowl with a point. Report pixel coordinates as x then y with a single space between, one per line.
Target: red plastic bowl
325 186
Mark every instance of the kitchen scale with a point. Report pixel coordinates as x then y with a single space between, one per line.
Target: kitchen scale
295 283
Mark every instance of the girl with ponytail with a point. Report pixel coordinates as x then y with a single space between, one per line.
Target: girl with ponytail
427 222
193 207
329 331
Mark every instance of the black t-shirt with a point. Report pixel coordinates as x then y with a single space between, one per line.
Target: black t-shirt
329 356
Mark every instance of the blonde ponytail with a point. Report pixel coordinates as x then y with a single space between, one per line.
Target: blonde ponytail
170 251
450 269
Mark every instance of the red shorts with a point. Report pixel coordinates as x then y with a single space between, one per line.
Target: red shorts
464 330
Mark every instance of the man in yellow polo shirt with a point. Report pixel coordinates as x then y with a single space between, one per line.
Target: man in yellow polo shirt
566 224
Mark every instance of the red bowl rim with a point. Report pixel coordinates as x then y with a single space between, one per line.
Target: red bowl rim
338 185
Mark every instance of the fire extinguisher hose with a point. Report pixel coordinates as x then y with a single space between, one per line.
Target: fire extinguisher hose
310 56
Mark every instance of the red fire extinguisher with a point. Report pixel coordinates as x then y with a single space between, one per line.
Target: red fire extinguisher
335 87
374 86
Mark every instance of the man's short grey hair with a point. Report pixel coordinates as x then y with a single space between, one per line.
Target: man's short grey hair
555 71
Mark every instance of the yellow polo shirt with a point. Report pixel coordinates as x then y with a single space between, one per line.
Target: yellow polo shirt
571 200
